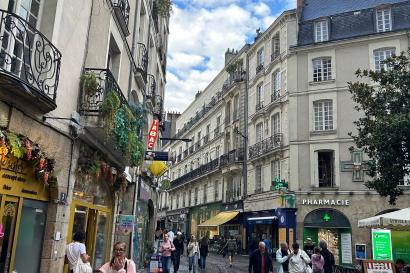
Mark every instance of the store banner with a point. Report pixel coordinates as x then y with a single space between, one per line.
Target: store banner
381 244
125 224
153 134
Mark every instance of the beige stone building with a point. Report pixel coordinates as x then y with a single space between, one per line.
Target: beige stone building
66 67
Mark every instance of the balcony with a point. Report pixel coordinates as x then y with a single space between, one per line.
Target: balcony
158 108
232 196
233 79
150 89
233 156
266 146
90 109
29 65
259 68
198 172
206 139
122 12
142 64
259 106
275 96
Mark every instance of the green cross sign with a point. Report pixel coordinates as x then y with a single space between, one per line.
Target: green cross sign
326 217
280 184
356 165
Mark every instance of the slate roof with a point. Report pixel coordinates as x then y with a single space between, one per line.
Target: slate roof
314 9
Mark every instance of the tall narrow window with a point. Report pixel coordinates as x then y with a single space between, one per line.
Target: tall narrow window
236 107
322 69
275 124
383 17
276 85
323 111
177 200
260 60
321 31
216 190
259 96
205 193
196 196
258 178
189 198
259 132
380 55
217 152
275 46
325 163
275 169
184 196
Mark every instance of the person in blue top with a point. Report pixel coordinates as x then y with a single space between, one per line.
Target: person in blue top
267 243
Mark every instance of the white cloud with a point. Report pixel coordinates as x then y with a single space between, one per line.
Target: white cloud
200 33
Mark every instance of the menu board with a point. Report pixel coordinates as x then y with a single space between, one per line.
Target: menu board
346 243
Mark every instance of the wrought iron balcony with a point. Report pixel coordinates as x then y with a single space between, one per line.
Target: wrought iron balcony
204 169
150 88
259 106
158 107
91 100
275 96
265 146
142 62
259 68
122 11
206 139
27 60
233 156
233 78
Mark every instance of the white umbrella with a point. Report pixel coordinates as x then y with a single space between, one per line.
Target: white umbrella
399 219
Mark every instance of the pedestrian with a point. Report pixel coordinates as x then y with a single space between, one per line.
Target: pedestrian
253 244
166 249
298 260
318 261
171 235
260 261
282 257
231 247
328 256
179 250
193 250
75 251
119 263
203 251
267 243
309 247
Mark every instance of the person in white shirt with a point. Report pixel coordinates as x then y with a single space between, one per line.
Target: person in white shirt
171 235
298 260
75 251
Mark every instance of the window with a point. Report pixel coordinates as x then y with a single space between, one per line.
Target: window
276 85
258 179
216 187
186 169
259 60
206 158
205 193
259 132
218 121
325 168
177 200
196 196
217 152
208 128
323 115
275 46
189 197
322 69
192 166
198 162
383 17
380 55
275 124
183 199
259 96
321 31
275 169
236 107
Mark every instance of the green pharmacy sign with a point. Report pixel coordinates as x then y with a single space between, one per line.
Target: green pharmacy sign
381 244
278 184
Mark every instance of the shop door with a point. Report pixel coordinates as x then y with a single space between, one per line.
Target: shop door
331 236
8 212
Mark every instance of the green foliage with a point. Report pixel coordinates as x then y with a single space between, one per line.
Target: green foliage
234 66
89 82
163 7
109 109
384 128
17 148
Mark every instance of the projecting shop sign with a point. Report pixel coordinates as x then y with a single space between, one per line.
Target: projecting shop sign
153 133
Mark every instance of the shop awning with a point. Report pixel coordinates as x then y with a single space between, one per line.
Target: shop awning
399 219
219 219
262 218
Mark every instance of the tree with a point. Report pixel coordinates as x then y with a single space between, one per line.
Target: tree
384 129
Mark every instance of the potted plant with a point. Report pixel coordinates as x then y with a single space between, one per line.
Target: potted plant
89 83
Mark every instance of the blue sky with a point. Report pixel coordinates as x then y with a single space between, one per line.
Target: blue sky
200 33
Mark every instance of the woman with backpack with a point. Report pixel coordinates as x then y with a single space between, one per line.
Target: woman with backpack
166 249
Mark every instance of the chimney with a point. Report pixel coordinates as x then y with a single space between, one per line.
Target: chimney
299 7
229 55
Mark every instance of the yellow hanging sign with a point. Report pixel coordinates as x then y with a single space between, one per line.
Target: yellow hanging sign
158 168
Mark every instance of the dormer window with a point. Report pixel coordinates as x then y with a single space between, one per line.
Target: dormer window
383 17
321 31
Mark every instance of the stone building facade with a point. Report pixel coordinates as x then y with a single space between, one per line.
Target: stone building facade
59 62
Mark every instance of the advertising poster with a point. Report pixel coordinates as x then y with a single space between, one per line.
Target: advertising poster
346 243
401 245
381 244
125 224
360 251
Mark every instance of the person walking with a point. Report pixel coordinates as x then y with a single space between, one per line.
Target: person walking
260 261
179 250
76 250
119 263
231 247
298 260
327 256
267 243
309 247
171 235
203 251
193 250
318 261
166 249
282 257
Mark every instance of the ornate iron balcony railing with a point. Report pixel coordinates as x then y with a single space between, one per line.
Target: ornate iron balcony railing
92 100
204 169
28 56
259 106
151 86
142 60
232 157
265 146
122 11
233 78
259 68
275 96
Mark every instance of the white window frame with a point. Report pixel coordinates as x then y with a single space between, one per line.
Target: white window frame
322 69
258 178
260 94
380 55
275 169
259 132
260 57
321 31
383 20
323 115
275 46
276 83
275 123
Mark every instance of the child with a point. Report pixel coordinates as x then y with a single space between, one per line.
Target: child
317 261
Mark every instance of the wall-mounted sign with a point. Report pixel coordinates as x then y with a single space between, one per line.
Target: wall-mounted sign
346 244
360 251
278 184
153 134
326 202
158 168
125 224
381 244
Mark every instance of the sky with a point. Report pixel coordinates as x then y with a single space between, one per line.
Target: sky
200 33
